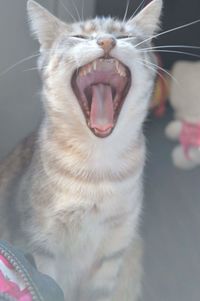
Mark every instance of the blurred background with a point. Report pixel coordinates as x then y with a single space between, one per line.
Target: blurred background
171 218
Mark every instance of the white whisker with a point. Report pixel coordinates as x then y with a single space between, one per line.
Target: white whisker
68 11
126 10
76 10
165 71
152 69
137 9
31 69
82 10
18 63
168 31
173 51
35 69
171 46
162 69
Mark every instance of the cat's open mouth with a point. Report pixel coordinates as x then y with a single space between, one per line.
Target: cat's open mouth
101 88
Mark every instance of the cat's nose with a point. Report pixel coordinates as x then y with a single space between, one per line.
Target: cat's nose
107 43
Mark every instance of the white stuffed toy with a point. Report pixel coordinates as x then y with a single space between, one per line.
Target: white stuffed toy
185 100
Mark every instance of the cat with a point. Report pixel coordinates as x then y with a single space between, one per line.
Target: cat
71 193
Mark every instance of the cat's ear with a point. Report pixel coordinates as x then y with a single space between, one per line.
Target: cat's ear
45 26
148 20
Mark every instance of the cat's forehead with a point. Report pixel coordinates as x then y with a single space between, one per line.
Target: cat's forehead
108 25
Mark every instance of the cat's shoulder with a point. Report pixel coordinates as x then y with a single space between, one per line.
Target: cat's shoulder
19 157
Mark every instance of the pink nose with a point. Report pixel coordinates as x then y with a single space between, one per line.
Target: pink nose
106 43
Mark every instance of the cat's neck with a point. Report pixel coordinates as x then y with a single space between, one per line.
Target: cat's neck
90 158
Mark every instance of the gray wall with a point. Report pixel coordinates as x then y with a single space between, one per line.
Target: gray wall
20 107
68 11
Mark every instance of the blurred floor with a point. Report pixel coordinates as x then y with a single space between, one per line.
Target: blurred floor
171 223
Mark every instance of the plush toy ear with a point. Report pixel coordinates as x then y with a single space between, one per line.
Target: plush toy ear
44 25
149 18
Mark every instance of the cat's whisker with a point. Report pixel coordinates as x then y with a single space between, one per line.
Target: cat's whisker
76 10
68 11
18 63
143 63
165 71
140 6
171 46
35 69
168 31
173 51
82 9
126 10
31 69
161 69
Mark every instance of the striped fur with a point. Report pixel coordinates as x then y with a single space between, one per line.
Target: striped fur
70 198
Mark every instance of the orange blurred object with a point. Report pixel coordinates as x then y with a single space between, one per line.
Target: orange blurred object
161 92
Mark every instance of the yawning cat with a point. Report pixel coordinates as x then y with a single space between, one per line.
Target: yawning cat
71 193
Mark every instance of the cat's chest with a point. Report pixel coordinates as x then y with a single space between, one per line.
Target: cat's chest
82 219
93 202
81 210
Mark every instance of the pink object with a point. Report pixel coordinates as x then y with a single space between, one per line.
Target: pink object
10 287
189 136
6 263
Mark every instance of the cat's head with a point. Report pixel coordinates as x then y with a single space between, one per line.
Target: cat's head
96 73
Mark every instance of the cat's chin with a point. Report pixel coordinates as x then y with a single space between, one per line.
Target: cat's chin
101 88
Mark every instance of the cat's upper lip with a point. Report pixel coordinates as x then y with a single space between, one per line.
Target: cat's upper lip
101 87
102 64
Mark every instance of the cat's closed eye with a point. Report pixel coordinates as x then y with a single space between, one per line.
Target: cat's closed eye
124 37
84 37
79 36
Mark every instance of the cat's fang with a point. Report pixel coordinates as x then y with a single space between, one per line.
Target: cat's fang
103 65
94 65
117 66
89 68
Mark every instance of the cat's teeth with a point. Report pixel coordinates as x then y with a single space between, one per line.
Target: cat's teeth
84 71
86 108
81 72
122 73
89 69
117 66
94 65
101 64
121 70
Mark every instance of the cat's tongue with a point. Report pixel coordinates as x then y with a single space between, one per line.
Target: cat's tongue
102 110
